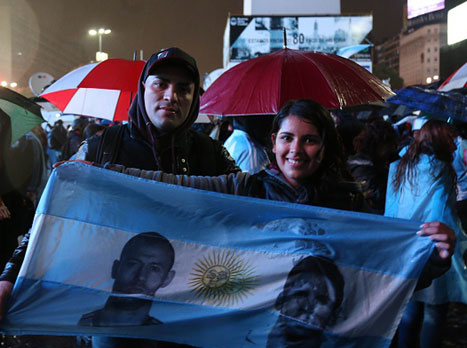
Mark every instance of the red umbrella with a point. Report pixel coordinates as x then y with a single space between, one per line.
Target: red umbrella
262 85
102 90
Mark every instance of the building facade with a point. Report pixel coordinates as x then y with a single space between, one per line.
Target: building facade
387 53
419 54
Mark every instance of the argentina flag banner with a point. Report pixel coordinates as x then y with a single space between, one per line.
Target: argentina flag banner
116 255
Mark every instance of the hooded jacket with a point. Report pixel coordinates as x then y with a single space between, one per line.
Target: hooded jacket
142 145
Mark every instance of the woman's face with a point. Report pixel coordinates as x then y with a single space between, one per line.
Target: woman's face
297 146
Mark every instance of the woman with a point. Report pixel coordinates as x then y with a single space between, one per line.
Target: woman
422 186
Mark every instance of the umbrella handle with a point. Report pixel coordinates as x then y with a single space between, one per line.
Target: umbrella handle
284 32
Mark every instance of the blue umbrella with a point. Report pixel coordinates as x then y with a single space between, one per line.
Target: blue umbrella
439 104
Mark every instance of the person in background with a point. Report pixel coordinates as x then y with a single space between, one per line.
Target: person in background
40 170
422 187
348 128
56 138
248 142
460 167
93 129
376 148
75 137
16 171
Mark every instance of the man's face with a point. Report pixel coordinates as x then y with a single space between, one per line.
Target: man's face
168 95
143 269
309 298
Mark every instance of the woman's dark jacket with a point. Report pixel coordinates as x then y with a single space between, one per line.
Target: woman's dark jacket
267 184
191 153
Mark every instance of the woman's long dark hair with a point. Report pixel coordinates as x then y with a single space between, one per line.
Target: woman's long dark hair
331 168
435 138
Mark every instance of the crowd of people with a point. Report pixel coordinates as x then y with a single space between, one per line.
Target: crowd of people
297 156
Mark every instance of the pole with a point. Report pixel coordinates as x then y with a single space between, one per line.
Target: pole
285 37
100 42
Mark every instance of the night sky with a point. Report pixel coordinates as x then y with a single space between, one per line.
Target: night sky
197 26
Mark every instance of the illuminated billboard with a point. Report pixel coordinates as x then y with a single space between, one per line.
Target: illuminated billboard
457 30
247 37
417 8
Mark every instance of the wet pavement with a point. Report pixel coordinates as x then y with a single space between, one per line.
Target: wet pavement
456 334
456 330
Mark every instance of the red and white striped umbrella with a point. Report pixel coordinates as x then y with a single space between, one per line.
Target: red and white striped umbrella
102 90
457 80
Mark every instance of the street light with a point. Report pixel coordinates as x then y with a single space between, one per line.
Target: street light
6 84
100 56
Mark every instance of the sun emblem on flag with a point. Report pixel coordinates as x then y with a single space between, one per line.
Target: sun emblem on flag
222 278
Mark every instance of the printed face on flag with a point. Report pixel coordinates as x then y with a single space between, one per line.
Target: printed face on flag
309 301
309 298
144 266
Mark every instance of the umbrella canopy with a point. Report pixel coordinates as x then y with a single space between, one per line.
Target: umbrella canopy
102 90
262 85
441 104
457 80
24 114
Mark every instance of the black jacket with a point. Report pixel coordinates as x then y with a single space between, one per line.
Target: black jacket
190 153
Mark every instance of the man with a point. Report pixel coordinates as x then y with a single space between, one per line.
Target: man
158 135
145 265
309 302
